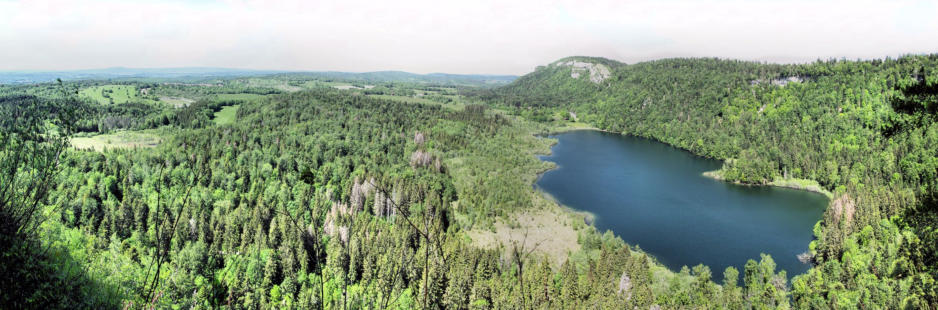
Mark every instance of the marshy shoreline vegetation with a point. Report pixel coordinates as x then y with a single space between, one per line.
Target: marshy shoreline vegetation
792 183
306 196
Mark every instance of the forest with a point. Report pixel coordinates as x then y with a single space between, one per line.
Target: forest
339 193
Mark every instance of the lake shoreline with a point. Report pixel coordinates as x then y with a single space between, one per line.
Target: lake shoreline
588 217
591 216
790 183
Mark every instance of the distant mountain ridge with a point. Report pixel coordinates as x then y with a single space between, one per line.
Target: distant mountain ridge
401 76
29 77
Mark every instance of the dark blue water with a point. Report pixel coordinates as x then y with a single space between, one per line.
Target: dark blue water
653 195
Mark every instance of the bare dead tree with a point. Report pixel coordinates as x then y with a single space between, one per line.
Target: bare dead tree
159 184
396 272
30 155
424 233
161 251
348 255
314 235
431 238
519 255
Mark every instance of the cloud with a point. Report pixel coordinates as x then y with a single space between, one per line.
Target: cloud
449 36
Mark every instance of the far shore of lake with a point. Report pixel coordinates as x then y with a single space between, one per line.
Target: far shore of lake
792 183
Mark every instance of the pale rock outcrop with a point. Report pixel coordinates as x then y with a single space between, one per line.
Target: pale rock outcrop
597 72
780 82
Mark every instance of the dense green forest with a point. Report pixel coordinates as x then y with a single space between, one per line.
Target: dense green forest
330 193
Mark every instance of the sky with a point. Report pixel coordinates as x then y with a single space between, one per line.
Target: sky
469 37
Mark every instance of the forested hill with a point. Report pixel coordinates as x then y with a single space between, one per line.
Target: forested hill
556 84
863 130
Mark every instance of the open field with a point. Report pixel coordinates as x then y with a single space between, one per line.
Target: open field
112 94
226 115
337 85
177 102
238 97
347 87
121 139
549 232
318 84
270 83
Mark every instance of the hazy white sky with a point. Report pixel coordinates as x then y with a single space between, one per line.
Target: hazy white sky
481 36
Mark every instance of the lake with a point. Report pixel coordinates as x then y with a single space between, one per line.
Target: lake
654 196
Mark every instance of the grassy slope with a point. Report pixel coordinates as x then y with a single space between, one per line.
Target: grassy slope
237 96
271 83
111 94
226 115
120 139
177 102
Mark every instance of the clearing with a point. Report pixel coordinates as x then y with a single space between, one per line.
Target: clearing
112 94
226 115
552 232
177 102
243 96
347 87
118 140
270 83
